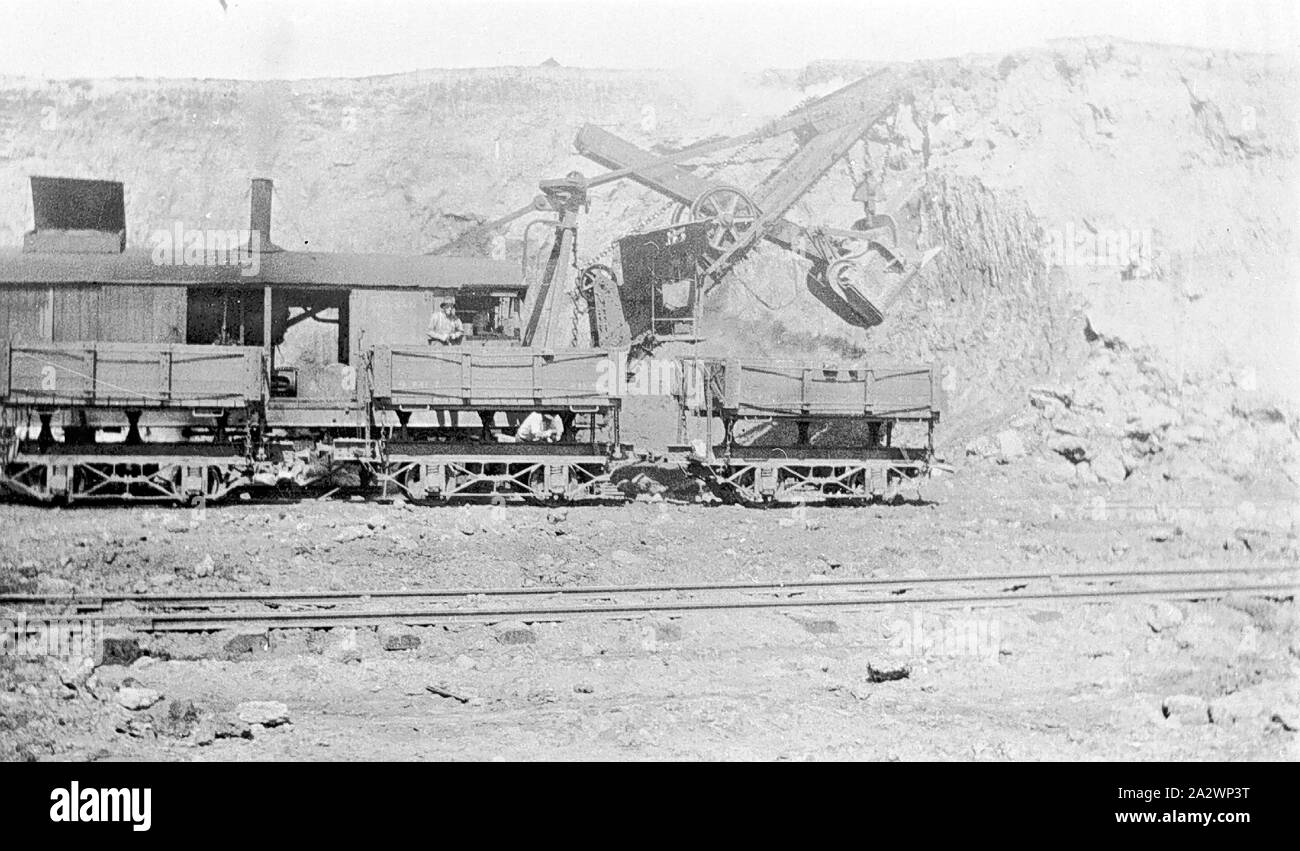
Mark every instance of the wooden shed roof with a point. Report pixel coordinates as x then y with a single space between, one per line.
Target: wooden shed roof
276 268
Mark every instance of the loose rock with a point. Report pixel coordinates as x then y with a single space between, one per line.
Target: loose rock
247 644
1011 446
268 713
1164 615
205 567
514 632
887 672
120 650
1186 709
398 639
137 698
1109 467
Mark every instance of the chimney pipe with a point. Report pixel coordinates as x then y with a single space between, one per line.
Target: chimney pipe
259 218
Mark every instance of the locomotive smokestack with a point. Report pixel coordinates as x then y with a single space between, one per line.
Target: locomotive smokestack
259 220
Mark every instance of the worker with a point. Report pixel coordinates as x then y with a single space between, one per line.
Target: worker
445 327
540 428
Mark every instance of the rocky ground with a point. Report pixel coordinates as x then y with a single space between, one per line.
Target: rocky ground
1131 680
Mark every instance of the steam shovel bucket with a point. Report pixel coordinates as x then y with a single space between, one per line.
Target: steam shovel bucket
844 286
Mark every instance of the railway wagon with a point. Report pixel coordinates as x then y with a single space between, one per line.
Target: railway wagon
496 384
208 360
830 429
94 387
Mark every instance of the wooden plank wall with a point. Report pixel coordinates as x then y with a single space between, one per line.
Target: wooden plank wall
390 318
76 313
69 313
142 314
25 314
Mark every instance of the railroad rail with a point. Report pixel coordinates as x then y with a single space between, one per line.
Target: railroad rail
202 612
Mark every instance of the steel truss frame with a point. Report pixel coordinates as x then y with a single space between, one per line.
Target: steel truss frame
542 477
126 478
797 480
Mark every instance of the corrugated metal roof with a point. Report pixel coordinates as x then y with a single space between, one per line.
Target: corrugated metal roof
284 268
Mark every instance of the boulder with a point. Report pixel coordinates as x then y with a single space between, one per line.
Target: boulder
242 644
1272 702
398 638
268 713
136 697
1011 446
1058 469
1186 709
205 567
884 672
1109 467
1164 615
515 632
120 650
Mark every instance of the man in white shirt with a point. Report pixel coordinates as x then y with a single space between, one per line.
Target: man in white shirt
540 428
444 327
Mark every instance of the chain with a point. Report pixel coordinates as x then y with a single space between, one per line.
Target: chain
608 251
579 308
603 257
739 153
853 172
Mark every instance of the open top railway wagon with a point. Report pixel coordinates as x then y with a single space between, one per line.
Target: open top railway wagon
184 375
858 409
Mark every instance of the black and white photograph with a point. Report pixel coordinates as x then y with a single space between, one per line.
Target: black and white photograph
665 381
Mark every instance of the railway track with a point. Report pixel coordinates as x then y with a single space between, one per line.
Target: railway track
311 609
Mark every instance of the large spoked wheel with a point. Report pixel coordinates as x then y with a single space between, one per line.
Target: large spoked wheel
730 214
592 275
